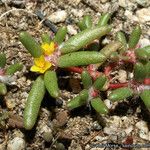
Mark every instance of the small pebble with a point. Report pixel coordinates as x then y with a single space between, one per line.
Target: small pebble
47 133
129 130
10 103
143 130
142 125
16 144
104 1
97 126
62 118
143 15
59 16
60 146
130 15
144 3
108 103
77 12
71 30
47 136
122 76
101 138
128 4
144 42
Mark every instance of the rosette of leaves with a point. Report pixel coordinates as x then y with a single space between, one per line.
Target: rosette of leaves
90 95
6 73
131 52
53 53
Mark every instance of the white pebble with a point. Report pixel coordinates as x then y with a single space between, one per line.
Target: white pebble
16 144
143 3
122 76
143 135
142 125
104 1
143 15
59 16
101 138
128 130
77 12
71 30
128 4
143 130
144 42
130 15
108 103
122 3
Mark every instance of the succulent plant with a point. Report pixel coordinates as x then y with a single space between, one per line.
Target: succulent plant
83 54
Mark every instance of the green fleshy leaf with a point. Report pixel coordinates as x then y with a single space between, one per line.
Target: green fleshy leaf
14 68
83 38
3 89
50 80
60 35
86 79
145 96
135 36
103 20
2 60
78 100
80 58
30 44
120 94
33 104
99 106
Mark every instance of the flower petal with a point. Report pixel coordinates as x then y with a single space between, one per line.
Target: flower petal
40 62
48 48
47 66
35 69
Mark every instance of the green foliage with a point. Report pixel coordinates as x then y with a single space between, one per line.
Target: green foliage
33 103
78 100
103 20
120 94
2 60
83 38
135 36
3 89
46 38
120 36
85 49
99 106
6 73
60 35
85 23
139 71
14 68
30 44
50 80
80 58
145 95
100 82
86 79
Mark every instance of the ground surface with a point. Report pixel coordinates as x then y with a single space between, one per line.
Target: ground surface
82 128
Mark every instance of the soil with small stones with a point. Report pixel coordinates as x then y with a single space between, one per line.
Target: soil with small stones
56 127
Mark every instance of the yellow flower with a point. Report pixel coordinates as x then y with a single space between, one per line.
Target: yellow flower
48 49
40 65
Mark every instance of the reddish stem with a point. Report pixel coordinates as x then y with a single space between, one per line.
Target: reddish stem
75 69
94 74
147 81
2 72
117 85
94 93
